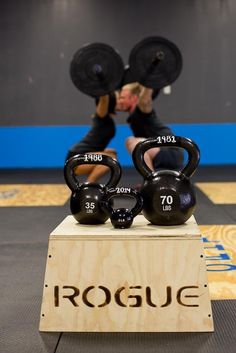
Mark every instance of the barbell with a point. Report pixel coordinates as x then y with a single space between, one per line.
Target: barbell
97 69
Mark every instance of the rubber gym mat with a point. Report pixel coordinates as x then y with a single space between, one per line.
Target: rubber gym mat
21 278
33 195
231 211
29 224
220 250
219 193
209 213
222 340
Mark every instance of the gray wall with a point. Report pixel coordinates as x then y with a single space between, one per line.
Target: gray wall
38 39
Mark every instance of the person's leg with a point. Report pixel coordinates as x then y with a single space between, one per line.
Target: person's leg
169 158
131 142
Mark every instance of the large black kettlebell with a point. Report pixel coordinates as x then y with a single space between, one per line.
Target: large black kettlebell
85 198
168 196
122 217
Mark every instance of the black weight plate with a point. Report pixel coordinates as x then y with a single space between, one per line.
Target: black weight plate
165 72
96 69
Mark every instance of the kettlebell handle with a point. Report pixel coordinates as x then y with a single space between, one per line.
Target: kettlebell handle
123 191
166 141
91 158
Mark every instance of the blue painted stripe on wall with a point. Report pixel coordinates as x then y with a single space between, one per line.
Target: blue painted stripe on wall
46 146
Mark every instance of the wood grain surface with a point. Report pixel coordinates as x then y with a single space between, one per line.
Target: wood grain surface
33 195
155 283
220 250
219 193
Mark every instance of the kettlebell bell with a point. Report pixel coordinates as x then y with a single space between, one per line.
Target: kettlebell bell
85 198
168 196
122 217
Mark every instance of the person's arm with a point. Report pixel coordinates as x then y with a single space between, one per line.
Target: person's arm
145 100
102 106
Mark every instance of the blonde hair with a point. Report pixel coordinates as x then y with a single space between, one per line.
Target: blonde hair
135 88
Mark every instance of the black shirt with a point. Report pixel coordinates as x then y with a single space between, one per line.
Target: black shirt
147 124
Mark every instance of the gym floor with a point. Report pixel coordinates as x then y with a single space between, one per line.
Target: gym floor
34 202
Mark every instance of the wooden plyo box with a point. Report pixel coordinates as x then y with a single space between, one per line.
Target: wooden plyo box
142 279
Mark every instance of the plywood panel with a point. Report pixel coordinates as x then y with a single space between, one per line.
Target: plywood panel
133 284
33 195
141 228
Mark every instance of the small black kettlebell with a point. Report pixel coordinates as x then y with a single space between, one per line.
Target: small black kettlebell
122 217
85 198
168 196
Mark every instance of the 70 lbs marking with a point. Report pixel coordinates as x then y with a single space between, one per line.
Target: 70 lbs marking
166 201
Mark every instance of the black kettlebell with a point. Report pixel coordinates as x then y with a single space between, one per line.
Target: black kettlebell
168 196
122 217
85 198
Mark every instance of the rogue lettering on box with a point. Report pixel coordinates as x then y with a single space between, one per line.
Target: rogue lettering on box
72 294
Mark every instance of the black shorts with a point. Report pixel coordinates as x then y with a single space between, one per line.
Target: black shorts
97 138
169 158
72 153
